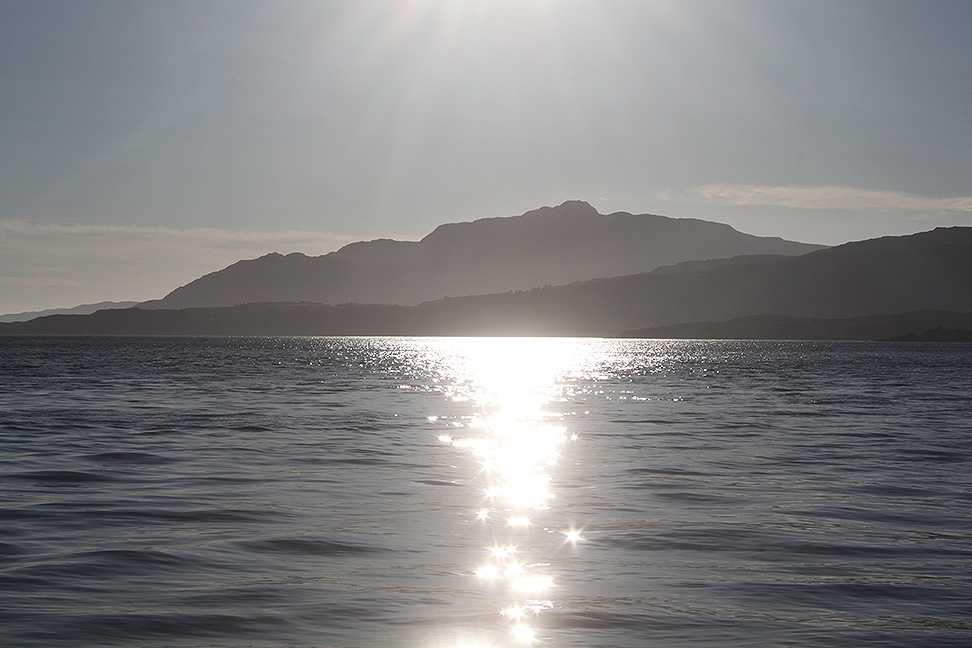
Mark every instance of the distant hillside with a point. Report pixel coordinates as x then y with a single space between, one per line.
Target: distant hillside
921 272
927 271
83 309
942 326
547 246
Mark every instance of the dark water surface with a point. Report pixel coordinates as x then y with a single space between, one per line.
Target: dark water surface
458 492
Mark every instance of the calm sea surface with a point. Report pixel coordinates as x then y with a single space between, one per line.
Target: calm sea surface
448 493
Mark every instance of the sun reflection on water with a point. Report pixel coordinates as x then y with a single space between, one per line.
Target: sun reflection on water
515 441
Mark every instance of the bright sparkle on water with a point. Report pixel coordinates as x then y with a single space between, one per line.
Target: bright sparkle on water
524 633
516 443
573 536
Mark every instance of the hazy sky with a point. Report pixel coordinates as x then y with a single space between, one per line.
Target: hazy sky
143 144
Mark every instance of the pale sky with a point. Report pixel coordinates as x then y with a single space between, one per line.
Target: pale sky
145 143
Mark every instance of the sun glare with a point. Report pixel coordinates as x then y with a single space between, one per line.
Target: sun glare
523 633
514 440
514 612
532 584
487 572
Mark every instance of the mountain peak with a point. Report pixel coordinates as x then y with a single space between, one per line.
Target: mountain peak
577 205
575 208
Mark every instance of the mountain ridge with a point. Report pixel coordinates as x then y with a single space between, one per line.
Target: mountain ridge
929 271
544 246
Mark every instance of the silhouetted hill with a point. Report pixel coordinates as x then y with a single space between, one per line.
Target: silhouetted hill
83 309
940 326
927 271
937 334
547 246
246 319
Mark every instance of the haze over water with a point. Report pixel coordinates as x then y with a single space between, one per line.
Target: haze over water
447 492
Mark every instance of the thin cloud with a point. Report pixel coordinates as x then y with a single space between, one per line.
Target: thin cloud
56 265
826 197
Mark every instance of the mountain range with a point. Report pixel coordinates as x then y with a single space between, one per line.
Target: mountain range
878 288
547 246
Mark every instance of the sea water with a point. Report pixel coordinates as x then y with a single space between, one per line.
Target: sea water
455 492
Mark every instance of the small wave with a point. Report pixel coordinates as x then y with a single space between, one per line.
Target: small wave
709 540
218 479
10 427
9 550
202 515
85 568
764 545
342 461
83 515
133 557
663 471
892 490
933 456
845 595
141 458
601 620
309 546
692 497
18 514
363 461
643 421
138 627
434 482
61 476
